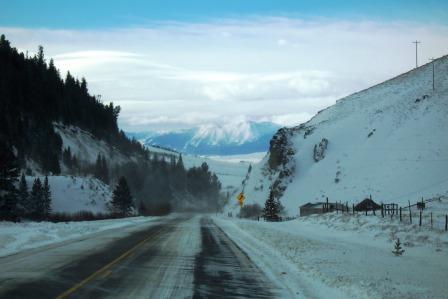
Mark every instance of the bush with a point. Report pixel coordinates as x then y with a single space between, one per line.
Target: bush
251 211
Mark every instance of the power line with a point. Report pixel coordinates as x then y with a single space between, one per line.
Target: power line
419 190
416 52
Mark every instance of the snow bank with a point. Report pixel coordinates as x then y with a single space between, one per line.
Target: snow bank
15 237
349 254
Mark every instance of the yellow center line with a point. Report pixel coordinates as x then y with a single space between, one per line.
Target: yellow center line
106 267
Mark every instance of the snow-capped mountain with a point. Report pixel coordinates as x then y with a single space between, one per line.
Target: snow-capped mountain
239 137
389 141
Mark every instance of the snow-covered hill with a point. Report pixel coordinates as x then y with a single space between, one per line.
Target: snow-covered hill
73 194
389 141
237 137
86 146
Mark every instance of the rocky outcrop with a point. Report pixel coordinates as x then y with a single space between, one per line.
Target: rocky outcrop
281 160
279 149
320 149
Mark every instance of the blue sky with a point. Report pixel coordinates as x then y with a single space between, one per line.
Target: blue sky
83 14
179 64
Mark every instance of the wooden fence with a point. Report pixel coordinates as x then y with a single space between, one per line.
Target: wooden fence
433 220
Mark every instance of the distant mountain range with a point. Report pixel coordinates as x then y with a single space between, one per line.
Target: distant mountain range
243 137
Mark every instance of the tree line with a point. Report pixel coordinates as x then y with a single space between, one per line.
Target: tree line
33 95
18 201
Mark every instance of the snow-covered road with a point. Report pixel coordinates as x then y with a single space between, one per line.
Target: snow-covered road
345 256
203 256
181 256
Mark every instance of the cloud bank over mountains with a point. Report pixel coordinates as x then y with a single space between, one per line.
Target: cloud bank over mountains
173 75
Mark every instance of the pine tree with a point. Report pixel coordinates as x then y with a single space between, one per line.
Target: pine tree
67 157
23 196
142 210
271 208
397 249
40 56
101 171
122 198
36 199
9 172
98 166
180 163
46 198
104 170
75 165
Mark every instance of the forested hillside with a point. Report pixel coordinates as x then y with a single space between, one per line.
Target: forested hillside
51 126
34 95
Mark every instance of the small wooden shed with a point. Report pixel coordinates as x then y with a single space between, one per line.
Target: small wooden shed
316 208
367 205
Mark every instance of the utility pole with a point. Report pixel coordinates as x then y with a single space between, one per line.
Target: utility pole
416 53
432 62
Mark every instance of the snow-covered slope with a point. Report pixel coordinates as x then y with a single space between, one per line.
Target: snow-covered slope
74 194
389 141
237 137
86 146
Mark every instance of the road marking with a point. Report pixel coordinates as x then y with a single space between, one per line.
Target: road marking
106 267
106 274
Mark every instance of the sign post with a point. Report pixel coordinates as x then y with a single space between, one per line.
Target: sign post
240 198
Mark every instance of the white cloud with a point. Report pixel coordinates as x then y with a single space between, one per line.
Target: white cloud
279 69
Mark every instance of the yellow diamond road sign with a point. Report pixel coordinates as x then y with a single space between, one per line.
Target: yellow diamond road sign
240 197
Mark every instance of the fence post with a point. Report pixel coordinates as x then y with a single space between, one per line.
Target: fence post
327 206
410 213
353 207
446 222
431 220
420 221
382 210
400 214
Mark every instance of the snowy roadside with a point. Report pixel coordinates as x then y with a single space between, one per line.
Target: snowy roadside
340 256
16 237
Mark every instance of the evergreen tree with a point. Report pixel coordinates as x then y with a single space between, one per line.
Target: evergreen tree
122 198
397 249
98 166
40 56
67 157
101 171
46 198
180 163
75 165
23 196
36 200
9 172
271 208
142 210
104 170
